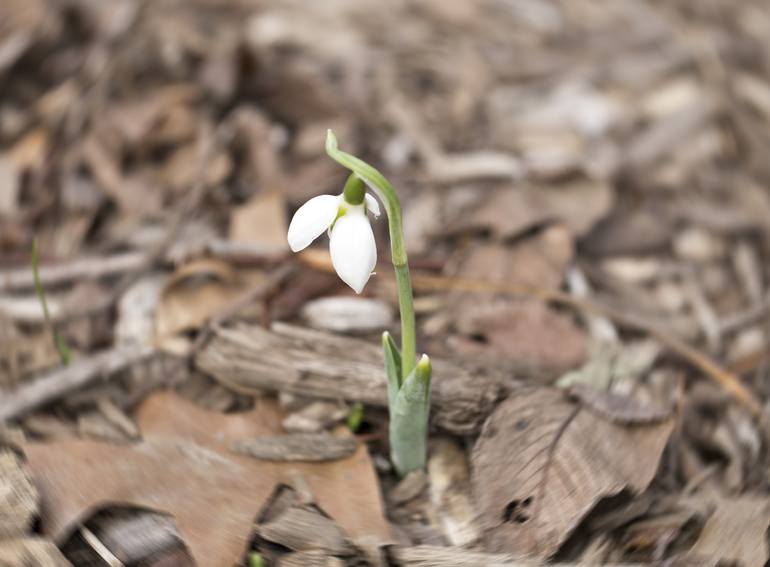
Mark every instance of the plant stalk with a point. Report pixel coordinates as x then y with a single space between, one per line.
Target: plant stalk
387 194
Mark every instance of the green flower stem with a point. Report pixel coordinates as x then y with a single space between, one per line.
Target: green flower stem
406 306
387 194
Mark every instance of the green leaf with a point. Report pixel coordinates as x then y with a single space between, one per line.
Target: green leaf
355 417
59 342
392 366
409 420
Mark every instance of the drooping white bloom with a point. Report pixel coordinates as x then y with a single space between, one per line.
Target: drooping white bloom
351 240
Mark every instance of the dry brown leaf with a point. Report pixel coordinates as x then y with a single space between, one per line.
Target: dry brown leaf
184 467
518 330
130 194
262 222
539 261
524 331
197 291
737 531
135 120
542 463
183 169
31 151
508 212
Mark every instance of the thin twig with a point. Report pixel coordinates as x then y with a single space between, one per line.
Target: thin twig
87 268
31 395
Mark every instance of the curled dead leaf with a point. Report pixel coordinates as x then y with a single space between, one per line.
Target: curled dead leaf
737 531
183 467
196 291
542 463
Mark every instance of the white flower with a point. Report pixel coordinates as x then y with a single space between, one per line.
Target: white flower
351 240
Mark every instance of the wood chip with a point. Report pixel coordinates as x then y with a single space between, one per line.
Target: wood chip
298 447
31 551
450 493
18 496
302 529
311 558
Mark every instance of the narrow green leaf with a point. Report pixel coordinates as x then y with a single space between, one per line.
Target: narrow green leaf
59 342
409 420
392 367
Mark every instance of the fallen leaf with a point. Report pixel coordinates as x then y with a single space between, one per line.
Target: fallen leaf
184 468
521 331
196 291
617 407
737 531
261 221
517 330
539 261
542 463
510 211
30 152
135 120
129 193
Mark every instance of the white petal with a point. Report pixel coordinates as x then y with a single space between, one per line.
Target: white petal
311 219
354 252
372 205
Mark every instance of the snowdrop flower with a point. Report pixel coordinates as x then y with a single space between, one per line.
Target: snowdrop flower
351 240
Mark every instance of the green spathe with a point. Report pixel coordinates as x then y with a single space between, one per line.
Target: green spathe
409 415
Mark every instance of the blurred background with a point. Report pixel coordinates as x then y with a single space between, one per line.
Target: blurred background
616 151
626 138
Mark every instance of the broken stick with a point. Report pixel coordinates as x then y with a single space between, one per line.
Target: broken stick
248 358
64 380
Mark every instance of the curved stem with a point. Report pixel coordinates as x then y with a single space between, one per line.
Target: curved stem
387 194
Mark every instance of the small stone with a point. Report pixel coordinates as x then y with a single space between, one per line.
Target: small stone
348 314
699 245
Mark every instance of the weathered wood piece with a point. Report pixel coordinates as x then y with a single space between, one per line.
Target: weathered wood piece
433 556
300 447
82 268
303 529
316 364
31 551
312 558
18 497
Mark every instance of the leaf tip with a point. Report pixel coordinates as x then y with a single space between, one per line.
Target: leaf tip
424 365
331 142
